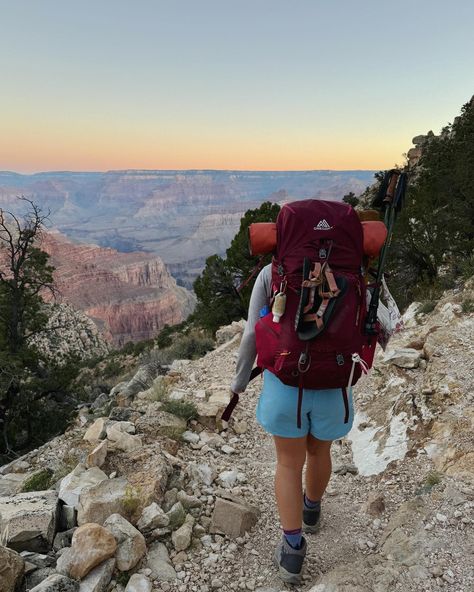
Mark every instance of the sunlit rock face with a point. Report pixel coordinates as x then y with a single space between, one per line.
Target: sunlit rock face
130 296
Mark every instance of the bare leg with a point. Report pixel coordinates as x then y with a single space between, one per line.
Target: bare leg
318 467
291 454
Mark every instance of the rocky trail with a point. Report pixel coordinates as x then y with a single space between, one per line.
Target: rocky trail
162 505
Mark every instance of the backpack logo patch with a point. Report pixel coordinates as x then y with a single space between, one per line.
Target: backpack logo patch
322 225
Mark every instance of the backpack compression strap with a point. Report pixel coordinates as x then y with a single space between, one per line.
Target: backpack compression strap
235 396
320 276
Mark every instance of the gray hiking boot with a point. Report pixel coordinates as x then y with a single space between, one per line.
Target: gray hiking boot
289 561
311 518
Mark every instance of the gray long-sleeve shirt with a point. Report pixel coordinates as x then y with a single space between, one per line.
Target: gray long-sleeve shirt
260 297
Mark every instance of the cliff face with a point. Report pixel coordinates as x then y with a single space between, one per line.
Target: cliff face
130 296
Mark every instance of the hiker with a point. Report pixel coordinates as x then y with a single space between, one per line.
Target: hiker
313 333
322 422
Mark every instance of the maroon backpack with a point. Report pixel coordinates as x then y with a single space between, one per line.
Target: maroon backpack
318 342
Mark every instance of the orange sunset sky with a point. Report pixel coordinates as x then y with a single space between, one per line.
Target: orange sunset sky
220 85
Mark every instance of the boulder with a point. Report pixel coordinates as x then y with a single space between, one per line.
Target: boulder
12 570
38 560
233 517
160 423
122 426
97 503
37 576
76 481
188 501
139 583
182 537
12 483
158 560
99 578
176 515
152 517
98 430
142 381
91 545
97 457
403 358
131 543
201 473
28 520
57 583
123 440
147 471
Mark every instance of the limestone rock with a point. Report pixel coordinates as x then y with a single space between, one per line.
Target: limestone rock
176 515
152 517
158 560
99 578
233 518
182 537
97 457
130 541
142 380
188 501
28 520
138 583
375 504
12 483
403 357
160 423
147 471
98 430
37 576
78 480
97 503
201 473
91 545
12 569
122 440
57 583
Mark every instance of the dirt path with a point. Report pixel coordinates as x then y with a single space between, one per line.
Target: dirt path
418 541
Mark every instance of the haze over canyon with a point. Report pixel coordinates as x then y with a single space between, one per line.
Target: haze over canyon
149 223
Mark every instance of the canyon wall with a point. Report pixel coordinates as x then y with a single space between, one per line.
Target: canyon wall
130 296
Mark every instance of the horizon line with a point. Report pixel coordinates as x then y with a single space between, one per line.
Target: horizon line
193 170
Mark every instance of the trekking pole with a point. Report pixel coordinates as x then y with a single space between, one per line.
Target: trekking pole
390 198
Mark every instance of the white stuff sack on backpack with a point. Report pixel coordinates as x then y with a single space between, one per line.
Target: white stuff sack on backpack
388 315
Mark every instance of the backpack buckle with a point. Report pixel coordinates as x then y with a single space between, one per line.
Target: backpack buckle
304 362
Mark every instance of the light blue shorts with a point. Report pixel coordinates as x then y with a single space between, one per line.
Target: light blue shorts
322 412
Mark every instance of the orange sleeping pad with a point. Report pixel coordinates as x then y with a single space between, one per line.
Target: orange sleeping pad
263 238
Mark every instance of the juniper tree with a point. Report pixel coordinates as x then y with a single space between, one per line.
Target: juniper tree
220 301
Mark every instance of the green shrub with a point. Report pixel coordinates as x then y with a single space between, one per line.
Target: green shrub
433 478
172 432
426 307
184 409
467 306
160 391
111 369
191 347
39 481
